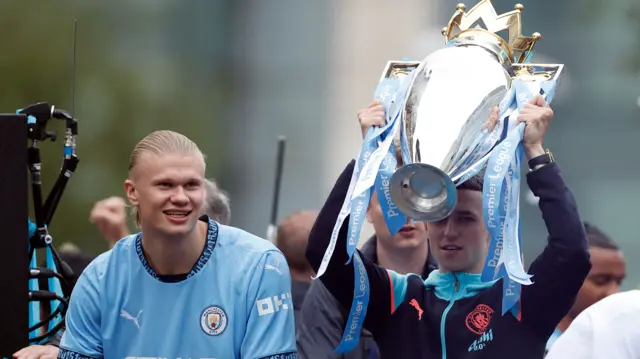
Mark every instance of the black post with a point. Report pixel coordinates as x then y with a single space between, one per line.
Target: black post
14 212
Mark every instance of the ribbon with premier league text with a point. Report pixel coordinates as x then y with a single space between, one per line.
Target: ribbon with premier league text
393 217
501 204
368 148
501 190
375 161
476 161
351 336
367 176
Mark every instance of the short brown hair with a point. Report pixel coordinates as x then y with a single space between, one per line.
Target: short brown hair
293 236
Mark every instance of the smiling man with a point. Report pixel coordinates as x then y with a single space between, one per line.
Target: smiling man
453 313
186 286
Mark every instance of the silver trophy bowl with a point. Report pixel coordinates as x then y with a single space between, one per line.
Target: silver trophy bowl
450 100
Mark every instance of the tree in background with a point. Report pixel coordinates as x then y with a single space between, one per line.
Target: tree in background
136 72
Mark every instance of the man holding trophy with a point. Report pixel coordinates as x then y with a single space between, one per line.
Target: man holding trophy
460 173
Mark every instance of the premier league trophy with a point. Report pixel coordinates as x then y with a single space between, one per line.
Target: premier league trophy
451 96
446 137
438 130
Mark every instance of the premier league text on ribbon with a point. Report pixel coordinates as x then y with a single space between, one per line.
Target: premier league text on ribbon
388 166
377 146
353 329
492 202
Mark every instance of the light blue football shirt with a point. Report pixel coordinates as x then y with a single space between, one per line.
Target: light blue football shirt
235 303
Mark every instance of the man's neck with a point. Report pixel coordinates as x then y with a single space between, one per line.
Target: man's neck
301 276
172 256
403 261
564 323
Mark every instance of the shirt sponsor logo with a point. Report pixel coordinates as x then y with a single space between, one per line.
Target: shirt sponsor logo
482 342
273 304
289 355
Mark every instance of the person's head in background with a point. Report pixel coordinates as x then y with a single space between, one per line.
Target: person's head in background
76 259
77 262
217 204
292 238
396 252
110 214
608 270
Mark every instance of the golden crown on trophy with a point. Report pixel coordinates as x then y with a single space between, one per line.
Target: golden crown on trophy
517 47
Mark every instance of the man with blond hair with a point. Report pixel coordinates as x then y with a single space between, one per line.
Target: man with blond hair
185 286
110 217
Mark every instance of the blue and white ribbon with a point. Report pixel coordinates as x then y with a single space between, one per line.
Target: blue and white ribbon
377 148
501 200
475 162
369 146
394 218
351 336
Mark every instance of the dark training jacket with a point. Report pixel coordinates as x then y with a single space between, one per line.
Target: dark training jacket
322 320
456 315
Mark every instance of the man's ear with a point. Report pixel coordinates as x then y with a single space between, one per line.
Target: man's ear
372 200
369 214
131 192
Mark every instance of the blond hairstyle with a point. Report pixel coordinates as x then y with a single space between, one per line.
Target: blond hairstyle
162 142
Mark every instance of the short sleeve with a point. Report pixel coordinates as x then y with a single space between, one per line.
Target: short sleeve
82 338
270 326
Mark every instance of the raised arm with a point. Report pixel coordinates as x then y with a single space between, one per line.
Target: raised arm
339 277
559 271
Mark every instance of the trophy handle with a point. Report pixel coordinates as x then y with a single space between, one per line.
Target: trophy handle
398 69
537 72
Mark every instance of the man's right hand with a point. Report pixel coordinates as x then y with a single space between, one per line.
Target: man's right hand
373 115
110 216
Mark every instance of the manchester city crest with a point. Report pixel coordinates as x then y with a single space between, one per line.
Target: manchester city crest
213 320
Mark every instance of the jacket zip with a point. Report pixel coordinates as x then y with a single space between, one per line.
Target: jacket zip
443 342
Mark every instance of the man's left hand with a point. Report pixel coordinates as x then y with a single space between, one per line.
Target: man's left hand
38 352
536 114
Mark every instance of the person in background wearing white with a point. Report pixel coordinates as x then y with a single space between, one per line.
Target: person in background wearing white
605 330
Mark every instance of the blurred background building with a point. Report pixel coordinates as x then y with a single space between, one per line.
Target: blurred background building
233 75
